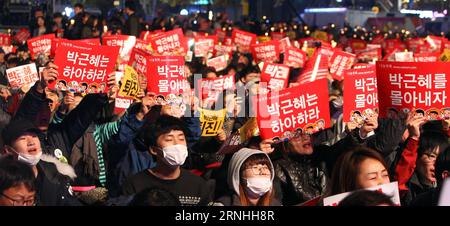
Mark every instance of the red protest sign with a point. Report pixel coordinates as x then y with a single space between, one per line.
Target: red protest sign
210 89
341 61
304 108
357 45
275 75
243 39
22 36
426 57
5 40
266 51
294 57
22 75
284 43
166 75
361 94
219 63
89 41
138 60
122 103
84 68
407 85
41 44
414 44
392 44
203 46
370 54
277 35
143 45
147 35
221 34
220 50
169 43
315 69
435 43
125 42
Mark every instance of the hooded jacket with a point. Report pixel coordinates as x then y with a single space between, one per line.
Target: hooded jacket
234 176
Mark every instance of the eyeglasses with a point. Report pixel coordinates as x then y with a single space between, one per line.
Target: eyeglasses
260 170
30 202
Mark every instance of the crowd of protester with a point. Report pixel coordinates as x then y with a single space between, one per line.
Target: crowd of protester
65 149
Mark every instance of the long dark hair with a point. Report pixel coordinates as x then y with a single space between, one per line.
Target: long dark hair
346 169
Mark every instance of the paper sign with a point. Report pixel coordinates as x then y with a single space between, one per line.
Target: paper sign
361 94
294 57
390 190
404 57
121 104
25 75
138 60
210 89
426 57
84 68
303 108
275 75
41 44
130 83
169 43
284 43
315 69
266 52
166 75
5 40
126 44
419 85
243 39
22 36
211 121
219 63
341 61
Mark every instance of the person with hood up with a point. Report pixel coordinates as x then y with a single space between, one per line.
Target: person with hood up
250 176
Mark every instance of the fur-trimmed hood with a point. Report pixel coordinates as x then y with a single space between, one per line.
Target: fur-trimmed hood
63 168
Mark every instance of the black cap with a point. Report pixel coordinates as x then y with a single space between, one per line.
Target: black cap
17 128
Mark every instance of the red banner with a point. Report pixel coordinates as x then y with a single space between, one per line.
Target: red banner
166 75
276 76
266 51
415 44
147 35
41 44
211 88
5 40
84 68
294 57
22 75
243 39
304 108
392 44
170 43
361 94
357 45
426 57
125 42
341 61
407 85
369 55
204 45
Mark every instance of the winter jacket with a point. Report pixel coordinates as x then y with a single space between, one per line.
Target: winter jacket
234 177
53 181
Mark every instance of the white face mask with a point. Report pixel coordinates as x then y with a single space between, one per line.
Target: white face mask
175 155
258 186
31 160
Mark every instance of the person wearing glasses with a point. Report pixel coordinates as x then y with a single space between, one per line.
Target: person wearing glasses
250 177
17 183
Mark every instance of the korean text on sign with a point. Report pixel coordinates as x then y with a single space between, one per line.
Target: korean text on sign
407 85
304 108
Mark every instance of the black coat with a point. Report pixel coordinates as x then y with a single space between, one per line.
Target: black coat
53 188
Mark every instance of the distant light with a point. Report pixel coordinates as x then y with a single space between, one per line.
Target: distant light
116 3
195 21
68 11
325 10
338 0
210 15
184 12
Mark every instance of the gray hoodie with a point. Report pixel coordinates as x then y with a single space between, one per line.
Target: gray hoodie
235 165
